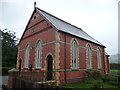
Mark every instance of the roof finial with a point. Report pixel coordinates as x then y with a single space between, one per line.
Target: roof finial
34 4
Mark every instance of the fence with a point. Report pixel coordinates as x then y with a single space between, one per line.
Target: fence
26 84
40 79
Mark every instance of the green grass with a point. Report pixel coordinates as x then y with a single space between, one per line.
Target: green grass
114 70
79 85
97 80
5 70
107 85
89 85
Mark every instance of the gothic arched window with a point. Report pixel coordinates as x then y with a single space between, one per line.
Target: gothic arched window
27 51
38 54
99 57
89 62
74 54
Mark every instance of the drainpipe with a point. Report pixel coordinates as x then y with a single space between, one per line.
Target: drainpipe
65 60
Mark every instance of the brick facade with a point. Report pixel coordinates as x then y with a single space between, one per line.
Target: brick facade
59 45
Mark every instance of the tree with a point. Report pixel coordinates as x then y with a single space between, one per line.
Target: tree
9 48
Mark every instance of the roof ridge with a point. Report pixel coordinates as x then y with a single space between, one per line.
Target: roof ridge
59 18
64 21
79 29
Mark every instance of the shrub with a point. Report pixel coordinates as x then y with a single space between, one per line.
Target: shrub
98 84
5 70
105 78
89 74
94 75
112 79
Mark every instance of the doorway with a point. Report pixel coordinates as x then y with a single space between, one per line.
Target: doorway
49 67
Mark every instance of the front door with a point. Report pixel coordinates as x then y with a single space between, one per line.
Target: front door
49 67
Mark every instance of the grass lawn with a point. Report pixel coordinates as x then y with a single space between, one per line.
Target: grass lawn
97 80
107 85
79 85
5 70
114 70
89 85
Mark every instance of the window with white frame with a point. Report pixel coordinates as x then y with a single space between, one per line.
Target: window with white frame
38 60
99 57
74 54
27 56
89 63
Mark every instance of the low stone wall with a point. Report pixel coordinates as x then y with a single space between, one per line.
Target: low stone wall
27 84
13 74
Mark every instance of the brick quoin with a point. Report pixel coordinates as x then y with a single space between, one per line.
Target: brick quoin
58 44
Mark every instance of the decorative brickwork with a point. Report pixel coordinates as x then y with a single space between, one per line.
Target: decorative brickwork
57 56
58 44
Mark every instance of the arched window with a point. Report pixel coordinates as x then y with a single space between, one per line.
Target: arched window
27 55
38 54
74 54
89 63
99 57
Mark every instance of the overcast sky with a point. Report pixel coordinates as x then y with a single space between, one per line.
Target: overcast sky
98 18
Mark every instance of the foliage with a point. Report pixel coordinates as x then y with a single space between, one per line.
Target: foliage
112 78
94 75
114 66
83 85
105 78
89 74
96 80
5 70
9 48
98 84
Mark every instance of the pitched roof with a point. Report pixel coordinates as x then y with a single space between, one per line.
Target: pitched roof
67 27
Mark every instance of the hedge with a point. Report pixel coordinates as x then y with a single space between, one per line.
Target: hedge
5 70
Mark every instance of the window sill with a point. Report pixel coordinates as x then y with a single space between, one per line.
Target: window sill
99 68
37 68
89 68
75 69
25 68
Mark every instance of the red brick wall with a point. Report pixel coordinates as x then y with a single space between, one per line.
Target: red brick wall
81 56
107 64
40 33
11 79
32 41
45 32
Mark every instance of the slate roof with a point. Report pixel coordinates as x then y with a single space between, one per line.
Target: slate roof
67 27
